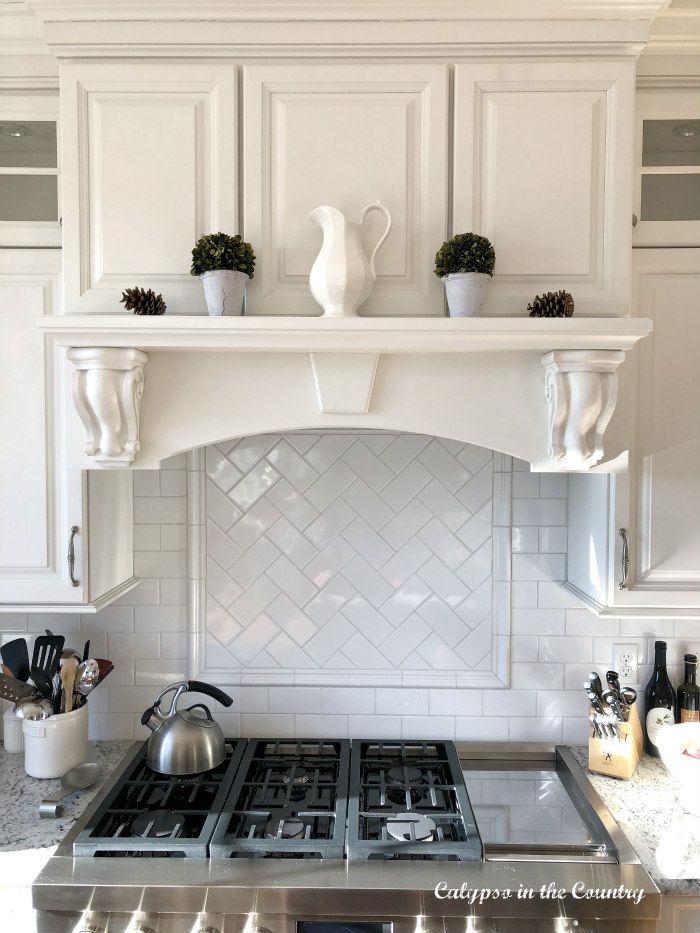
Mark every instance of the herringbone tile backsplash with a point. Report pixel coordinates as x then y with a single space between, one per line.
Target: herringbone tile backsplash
347 552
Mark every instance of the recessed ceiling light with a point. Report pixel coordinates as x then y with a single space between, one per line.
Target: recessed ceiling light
686 130
15 129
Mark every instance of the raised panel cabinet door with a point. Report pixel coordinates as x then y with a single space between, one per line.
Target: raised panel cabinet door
346 136
149 156
542 165
666 286
32 498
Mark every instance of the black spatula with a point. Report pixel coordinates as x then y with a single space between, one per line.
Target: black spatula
47 653
15 657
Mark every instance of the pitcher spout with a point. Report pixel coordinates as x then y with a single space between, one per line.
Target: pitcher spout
328 218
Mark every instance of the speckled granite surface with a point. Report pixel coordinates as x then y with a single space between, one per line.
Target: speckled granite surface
666 839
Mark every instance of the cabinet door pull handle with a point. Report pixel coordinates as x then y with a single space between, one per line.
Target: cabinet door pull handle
624 560
71 556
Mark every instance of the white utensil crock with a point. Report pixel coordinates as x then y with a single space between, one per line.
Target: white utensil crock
465 292
55 745
224 290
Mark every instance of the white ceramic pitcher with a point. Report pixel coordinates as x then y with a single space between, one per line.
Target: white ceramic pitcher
342 277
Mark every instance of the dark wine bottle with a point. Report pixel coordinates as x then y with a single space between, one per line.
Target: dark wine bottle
660 700
688 703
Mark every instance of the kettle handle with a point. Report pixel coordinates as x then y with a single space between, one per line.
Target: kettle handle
180 687
377 206
197 686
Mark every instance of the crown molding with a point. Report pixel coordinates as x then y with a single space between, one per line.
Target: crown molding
354 10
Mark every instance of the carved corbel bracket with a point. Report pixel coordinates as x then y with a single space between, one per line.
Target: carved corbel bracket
107 390
581 389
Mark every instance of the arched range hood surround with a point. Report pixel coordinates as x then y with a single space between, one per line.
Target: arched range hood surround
143 389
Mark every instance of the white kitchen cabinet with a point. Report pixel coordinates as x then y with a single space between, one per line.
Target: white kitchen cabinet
149 156
40 501
541 167
345 135
667 174
657 501
29 170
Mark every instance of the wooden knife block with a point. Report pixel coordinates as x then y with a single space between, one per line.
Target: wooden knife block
618 757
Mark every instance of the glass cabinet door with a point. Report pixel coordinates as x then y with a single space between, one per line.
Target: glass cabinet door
667 190
29 171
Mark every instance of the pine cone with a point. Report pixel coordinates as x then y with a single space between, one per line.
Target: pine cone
552 304
142 301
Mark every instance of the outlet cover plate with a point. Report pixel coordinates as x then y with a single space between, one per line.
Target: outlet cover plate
625 660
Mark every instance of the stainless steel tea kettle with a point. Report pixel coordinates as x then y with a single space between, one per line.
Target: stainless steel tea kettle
185 742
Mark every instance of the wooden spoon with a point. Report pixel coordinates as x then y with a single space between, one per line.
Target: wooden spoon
68 669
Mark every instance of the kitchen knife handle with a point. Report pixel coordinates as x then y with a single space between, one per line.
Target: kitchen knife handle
196 686
624 559
71 556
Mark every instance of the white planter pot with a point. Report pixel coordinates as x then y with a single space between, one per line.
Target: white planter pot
224 290
465 292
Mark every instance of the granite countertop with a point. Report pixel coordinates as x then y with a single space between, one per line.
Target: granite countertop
666 839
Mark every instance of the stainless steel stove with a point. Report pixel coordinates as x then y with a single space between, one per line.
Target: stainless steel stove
333 836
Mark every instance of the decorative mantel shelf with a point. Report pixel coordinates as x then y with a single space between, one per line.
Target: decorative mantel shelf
477 379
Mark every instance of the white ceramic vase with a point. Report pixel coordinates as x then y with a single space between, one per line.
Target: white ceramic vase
465 292
342 276
224 290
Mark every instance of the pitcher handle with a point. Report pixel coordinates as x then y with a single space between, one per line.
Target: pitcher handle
377 206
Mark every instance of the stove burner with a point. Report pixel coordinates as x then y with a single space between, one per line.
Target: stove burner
291 828
157 825
404 775
410 827
295 775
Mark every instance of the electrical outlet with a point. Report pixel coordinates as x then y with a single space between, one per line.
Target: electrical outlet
625 660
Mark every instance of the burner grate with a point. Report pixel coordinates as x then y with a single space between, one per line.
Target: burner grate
408 800
151 815
288 800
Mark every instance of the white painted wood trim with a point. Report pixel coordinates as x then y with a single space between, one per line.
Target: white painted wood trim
357 335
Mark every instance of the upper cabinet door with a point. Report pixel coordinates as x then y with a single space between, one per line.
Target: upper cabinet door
345 135
667 175
542 157
150 164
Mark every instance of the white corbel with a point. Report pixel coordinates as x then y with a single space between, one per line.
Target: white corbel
107 390
581 389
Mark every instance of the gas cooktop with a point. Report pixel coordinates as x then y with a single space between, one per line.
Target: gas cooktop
300 798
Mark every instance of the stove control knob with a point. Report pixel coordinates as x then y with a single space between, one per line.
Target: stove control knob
92 924
141 927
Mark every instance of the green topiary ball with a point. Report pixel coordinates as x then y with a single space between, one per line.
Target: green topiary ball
221 251
465 252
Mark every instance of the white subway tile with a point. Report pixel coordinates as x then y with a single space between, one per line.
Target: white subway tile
509 703
146 483
525 676
142 645
317 725
147 537
554 596
165 510
478 729
524 647
523 593
552 703
173 482
295 699
566 648
130 699
374 727
428 727
526 485
552 539
538 621
576 731
111 727
522 729
112 619
267 725
449 702
176 462
158 673
402 701
160 618
173 645
524 538
173 537
358 700
585 622
173 591
539 511
145 593
538 567
553 485
160 563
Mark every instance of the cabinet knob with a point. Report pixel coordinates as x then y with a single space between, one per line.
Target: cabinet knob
71 556
635 220
624 560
